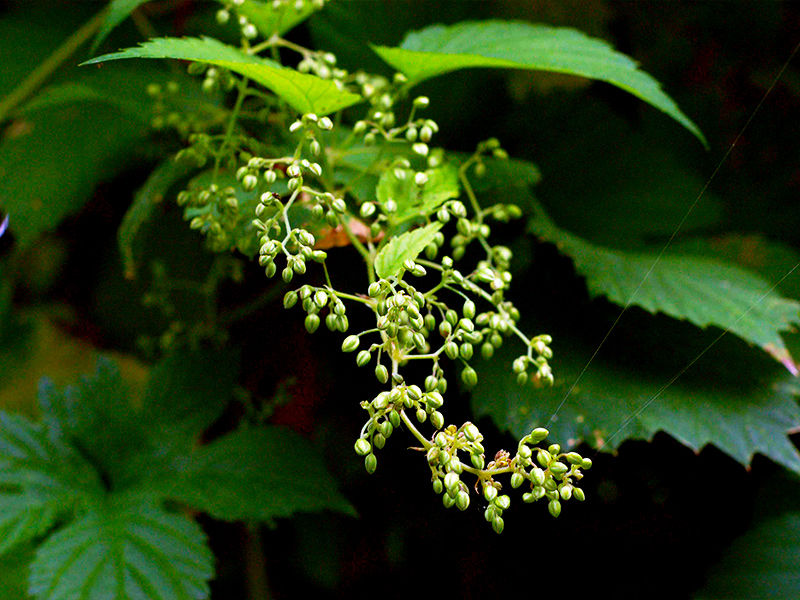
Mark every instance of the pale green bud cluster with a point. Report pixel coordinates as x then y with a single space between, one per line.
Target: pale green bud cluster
314 301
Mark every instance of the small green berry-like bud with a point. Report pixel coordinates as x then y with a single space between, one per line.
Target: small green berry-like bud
497 525
362 358
437 419
516 480
451 350
578 494
370 463
379 440
363 447
350 343
537 476
451 482
382 373
438 487
462 500
554 449
448 501
586 463
421 415
487 350
554 506
469 309
558 469
477 461
565 491
574 458
538 434
290 299
466 350
469 376
490 493
472 433
502 502
312 323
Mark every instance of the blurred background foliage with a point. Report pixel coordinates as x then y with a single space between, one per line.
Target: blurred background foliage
667 516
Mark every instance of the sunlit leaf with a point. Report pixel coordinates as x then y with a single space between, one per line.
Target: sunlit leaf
305 93
412 200
124 551
406 246
440 49
270 20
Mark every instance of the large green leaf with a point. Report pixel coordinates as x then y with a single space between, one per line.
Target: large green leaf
507 44
67 140
406 246
149 197
40 479
701 290
259 474
736 401
124 551
305 93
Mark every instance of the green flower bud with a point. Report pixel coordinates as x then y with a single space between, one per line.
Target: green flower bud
432 455
437 419
370 463
477 461
522 378
578 494
554 506
559 469
451 482
421 415
537 476
490 513
434 399
538 434
490 493
363 447
448 501
451 350
565 491
350 343
462 500
287 274
445 329
487 350
374 289
574 458
538 492
290 299
382 373
502 502
451 316
430 383
469 309
379 440
586 463
438 487
394 419
465 351
386 428
543 458
330 322
312 323
362 358
498 525
472 433
554 449
516 480
528 497
469 376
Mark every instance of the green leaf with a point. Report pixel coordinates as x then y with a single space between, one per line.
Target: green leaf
270 20
701 290
389 262
145 202
740 403
259 474
14 573
305 93
412 200
97 416
40 480
63 144
441 49
762 562
118 11
124 551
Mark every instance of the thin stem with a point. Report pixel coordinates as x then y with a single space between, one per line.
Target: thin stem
242 92
45 69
